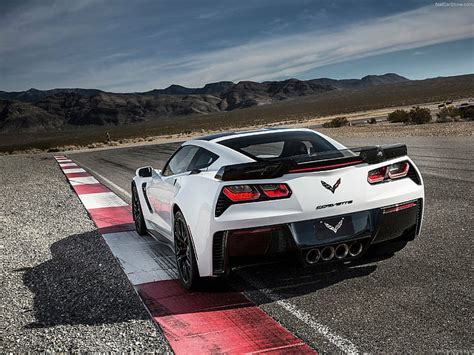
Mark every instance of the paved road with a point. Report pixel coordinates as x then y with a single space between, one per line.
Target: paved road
418 301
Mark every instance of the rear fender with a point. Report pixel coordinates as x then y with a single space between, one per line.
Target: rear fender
195 198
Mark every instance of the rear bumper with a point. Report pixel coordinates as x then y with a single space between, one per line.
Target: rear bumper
400 222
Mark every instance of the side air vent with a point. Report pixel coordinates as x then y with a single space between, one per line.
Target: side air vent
146 197
218 253
222 204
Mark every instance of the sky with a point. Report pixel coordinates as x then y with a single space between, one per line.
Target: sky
129 46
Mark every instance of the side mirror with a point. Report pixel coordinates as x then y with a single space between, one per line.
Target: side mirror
147 171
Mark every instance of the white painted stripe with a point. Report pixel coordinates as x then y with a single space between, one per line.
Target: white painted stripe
83 180
110 183
345 345
142 258
74 170
101 199
67 164
64 161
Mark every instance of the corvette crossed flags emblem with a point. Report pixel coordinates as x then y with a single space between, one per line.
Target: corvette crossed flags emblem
336 227
329 187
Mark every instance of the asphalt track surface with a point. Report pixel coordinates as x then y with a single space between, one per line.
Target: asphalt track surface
420 300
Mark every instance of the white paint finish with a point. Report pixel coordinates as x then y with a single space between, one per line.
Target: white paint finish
142 258
61 161
101 199
83 180
63 165
345 345
74 170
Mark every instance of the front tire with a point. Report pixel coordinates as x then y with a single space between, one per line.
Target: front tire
185 255
137 213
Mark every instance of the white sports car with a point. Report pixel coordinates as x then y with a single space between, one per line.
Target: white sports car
230 199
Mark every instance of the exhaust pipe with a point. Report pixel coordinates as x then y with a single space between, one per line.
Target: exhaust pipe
312 256
355 248
327 253
341 251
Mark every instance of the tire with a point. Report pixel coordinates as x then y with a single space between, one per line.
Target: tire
137 213
185 255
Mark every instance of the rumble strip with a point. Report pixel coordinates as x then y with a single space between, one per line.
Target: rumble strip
222 321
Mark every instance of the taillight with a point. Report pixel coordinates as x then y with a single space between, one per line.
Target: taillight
388 172
240 193
398 170
234 194
377 175
275 190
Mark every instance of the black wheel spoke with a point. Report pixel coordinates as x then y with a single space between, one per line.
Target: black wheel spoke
183 254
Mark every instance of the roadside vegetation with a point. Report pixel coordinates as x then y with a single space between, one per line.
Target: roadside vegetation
453 114
337 122
417 115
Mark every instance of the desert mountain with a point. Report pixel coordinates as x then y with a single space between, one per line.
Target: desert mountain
47 110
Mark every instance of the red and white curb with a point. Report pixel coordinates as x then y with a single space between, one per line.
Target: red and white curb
192 322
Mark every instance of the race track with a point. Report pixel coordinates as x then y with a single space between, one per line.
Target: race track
418 301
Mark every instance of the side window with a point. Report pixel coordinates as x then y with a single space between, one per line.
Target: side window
203 159
180 161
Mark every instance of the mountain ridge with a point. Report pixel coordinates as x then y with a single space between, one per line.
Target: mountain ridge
32 94
60 109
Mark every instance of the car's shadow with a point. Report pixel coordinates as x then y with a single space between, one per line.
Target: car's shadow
82 283
287 280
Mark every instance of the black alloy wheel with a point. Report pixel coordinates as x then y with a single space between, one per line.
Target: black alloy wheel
140 225
185 258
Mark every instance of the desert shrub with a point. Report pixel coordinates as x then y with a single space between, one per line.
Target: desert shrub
372 120
448 114
419 115
399 116
336 122
467 113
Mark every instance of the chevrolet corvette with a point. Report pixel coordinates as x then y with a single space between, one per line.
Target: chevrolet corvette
228 200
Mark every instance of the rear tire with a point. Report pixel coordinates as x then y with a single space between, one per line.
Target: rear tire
137 213
185 254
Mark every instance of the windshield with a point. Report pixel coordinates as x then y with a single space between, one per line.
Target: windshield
299 145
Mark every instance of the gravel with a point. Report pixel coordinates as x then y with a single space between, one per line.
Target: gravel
62 290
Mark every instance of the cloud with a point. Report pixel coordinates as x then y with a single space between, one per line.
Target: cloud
291 55
85 44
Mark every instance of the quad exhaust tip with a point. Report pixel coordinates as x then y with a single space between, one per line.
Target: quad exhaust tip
330 252
313 256
341 251
327 253
355 248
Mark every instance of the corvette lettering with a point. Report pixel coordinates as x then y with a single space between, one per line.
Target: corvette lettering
334 204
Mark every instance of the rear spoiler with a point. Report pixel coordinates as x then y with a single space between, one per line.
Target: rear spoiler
273 169
379 153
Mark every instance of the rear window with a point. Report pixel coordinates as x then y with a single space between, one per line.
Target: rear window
278 145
